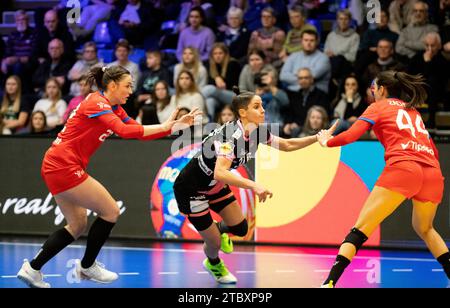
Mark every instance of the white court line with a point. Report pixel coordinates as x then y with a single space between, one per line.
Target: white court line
321 270
235 252
245 272
203 272
168 273
361 270
437 270
129 274
9 276
401 270
47 275
284 271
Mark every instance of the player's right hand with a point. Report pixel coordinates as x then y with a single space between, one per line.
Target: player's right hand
262 193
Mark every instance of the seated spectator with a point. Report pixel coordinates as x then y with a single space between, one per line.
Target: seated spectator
159 107
191 61
269 38
37 125
235 35
52 104
385 61
297 18
225 115
341 46
18 54
14 109
91 15
185 8
301 101
85 89
223 75
411 38
56 66
435 68
255 65
122 52
401 14
310 57
81 67
187 94
53 29
149 77
316 120
252 17
348 105
274 100
369 42
137 20
196 35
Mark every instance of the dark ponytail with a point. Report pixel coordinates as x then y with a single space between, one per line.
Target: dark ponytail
408 88
102 76
241 100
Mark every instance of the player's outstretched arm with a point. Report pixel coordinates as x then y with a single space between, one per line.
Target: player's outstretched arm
224 175
355 132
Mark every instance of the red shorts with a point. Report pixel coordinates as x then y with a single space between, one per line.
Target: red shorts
414 180
62 179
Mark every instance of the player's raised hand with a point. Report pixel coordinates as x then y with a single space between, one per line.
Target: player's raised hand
326 134
187 120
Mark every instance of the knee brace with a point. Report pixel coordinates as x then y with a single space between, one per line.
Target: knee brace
240 229
355 237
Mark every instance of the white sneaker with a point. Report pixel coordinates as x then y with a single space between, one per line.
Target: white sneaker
96 272
32 277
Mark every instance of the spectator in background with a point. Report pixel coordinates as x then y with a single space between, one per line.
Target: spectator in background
385 61
52 104
159 107
297 18
196 35
85 89
274 100
348 105
444 26
185 9
14 109
191 61
225 115
20 46
401 14
269 38
91 15
53 29
369 42
316 120
255 64
302 100
149 77
252 17
223 74
137 21
187 94
411 38
82 67
341 46
122 52
37 125
310 57
56 66
436 70
235 35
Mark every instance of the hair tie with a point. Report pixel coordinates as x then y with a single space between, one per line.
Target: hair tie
104 69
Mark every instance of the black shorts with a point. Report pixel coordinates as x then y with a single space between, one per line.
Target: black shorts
195 203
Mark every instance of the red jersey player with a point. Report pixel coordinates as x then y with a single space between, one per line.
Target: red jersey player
64 171
412 167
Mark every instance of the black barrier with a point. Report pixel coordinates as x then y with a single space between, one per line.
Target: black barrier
127 168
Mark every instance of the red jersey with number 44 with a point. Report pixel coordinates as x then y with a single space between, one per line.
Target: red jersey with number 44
87 128
401 131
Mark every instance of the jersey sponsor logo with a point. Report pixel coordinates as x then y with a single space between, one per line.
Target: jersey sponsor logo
225 149
57 141
397 103
103 105
237 134
103 137
79 173
417 147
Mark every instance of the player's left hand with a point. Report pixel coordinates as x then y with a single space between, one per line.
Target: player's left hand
326 134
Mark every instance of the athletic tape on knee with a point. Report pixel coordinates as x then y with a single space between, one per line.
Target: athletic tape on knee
355 237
